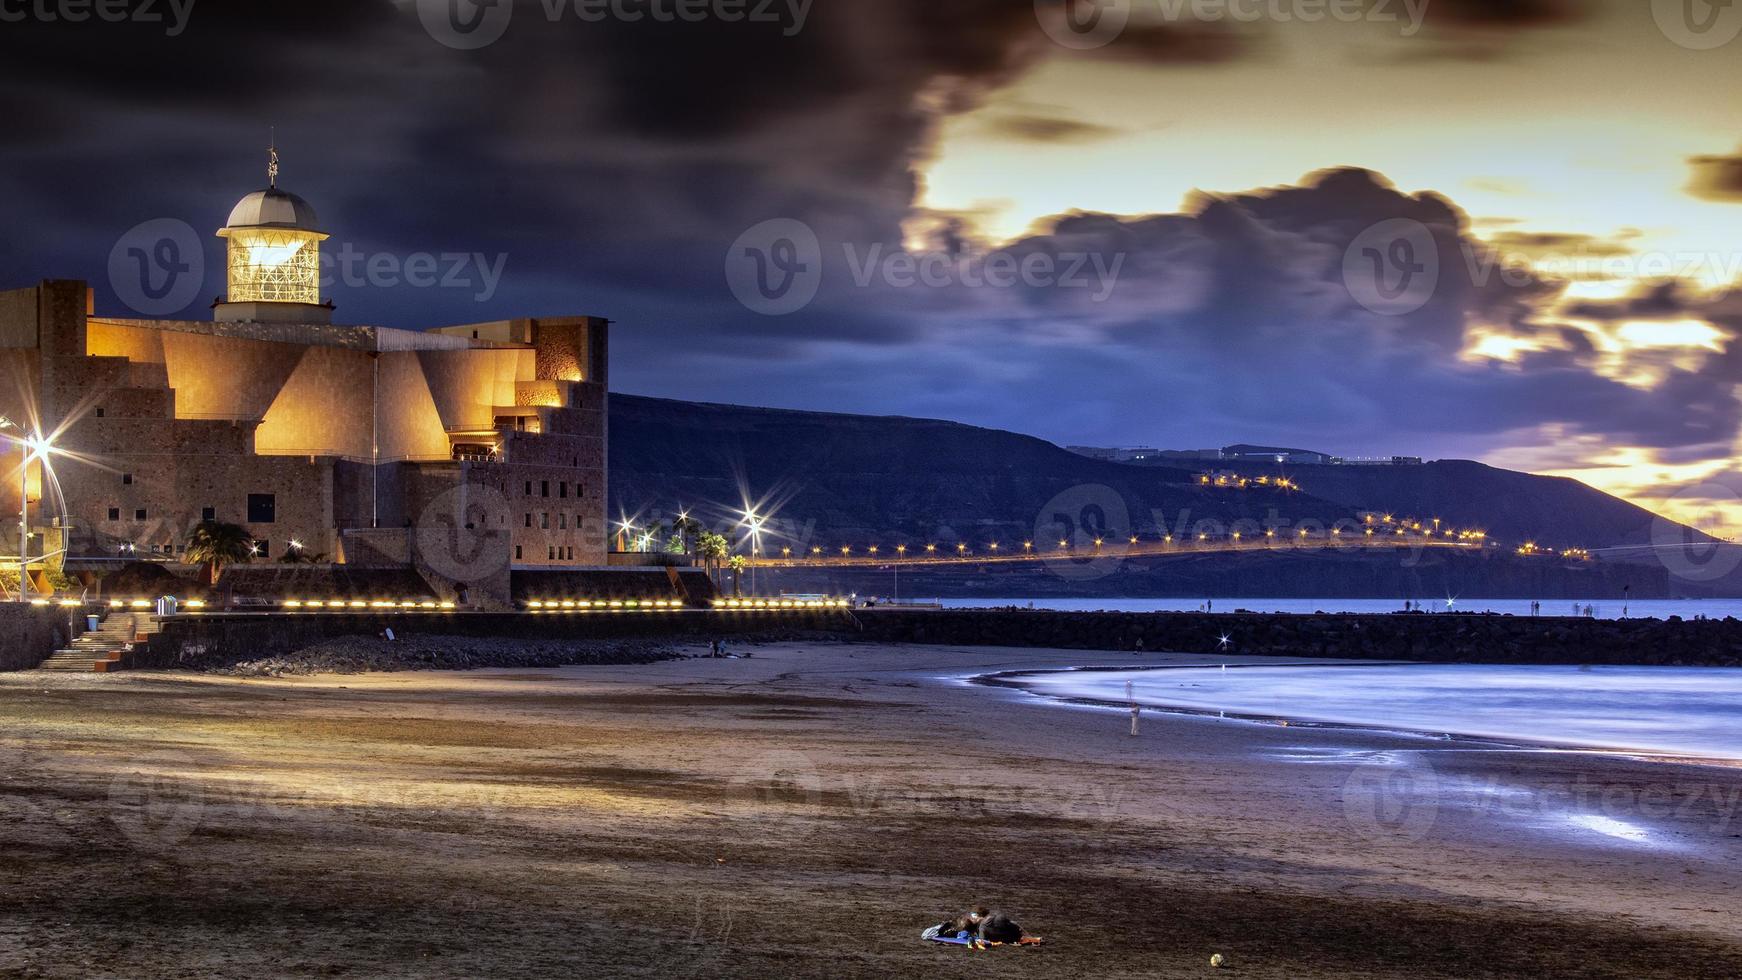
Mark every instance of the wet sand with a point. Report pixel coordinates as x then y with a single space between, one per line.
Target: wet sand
806 813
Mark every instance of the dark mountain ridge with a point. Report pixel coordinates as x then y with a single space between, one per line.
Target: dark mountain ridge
834 480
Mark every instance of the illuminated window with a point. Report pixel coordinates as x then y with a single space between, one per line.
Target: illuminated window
274 265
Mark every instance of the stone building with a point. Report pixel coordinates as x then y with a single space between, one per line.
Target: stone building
463 451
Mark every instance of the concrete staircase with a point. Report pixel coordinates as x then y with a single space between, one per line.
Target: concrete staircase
101 650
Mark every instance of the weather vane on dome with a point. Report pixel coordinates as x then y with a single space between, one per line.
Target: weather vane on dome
272 163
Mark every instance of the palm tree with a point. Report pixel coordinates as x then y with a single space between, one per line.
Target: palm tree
738 563
713 549
688 530
217 545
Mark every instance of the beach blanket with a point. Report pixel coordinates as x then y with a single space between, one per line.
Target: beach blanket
935 934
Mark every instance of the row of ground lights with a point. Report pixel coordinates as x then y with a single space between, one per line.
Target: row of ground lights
366 604
118 603
606 604
781 603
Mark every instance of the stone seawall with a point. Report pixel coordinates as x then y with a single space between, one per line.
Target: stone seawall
1436 637
214 638
28 634
1439 637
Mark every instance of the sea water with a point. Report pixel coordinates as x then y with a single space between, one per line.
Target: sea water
1688 712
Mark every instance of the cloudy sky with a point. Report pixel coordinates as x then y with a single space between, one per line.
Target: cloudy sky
1449 228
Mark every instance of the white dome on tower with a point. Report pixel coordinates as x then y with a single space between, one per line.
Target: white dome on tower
273 208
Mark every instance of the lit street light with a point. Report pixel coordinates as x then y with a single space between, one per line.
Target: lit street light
31 448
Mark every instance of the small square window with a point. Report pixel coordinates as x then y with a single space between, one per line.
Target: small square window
114 513
99 413
262 508
139 515
262 548
126 479
208 513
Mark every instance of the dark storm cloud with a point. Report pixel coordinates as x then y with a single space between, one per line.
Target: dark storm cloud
1181 43
1239 307
1546 243
1506 13
1716 178
1669 299
1049 129
612 165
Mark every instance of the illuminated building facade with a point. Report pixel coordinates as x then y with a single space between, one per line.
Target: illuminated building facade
463 451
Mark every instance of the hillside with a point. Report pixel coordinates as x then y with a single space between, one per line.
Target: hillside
854 480
1512 506
849 480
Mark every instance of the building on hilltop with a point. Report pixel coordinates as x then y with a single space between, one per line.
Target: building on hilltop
460 451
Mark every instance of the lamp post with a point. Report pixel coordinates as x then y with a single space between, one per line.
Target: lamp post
28 449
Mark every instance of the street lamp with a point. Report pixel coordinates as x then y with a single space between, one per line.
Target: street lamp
31 448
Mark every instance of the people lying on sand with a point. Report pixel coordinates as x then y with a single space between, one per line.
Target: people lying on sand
984 927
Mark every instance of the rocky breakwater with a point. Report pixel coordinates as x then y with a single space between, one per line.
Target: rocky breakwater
1442 638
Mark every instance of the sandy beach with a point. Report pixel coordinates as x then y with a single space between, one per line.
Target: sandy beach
806 812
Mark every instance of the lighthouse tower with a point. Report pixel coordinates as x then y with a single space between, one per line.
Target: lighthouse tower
274 262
